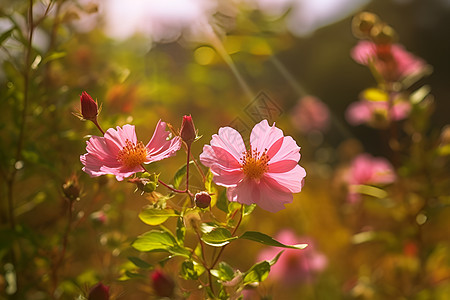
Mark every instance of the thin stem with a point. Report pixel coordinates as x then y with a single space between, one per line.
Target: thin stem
188 154
232 234
98 126
199 169
168 186
65 242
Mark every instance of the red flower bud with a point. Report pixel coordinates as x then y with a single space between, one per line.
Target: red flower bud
89 107
162 284
99 292
187 132
202 199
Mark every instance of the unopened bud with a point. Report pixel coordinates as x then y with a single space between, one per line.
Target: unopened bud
363 23
445 135
202 200
71 188
162 284
99 292
383 34
147 183
98 218
187 132
89 107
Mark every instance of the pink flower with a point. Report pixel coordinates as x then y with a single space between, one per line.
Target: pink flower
373 112
120 153
294 265
310 114
393 62
267 174
368 170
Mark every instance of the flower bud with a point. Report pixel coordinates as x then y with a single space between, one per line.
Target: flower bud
162 284
202 200
363 23
98 218
187 132
99 292
383 34
71 188
89 107
147 183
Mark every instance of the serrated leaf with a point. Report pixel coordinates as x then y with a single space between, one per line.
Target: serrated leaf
139 262
257 273
154 216
267 240
154 240
218 237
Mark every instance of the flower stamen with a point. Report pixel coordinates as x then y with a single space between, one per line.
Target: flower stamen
254 164
132 155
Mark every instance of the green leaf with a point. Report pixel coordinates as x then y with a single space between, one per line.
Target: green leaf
191 270
257 273
130 274
178 250
248 209
224 272
218 237
208 181
222 202
6 35
267 240
275 259
154 240
154 216
181 230
178 177
139 262
53 56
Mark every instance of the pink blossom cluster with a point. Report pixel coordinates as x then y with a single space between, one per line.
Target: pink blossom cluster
368 170
266 174
391 61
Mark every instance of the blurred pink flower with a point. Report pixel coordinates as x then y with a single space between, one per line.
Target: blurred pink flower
368 170
371 112
310 114
120 154
267 174
393 62
294 265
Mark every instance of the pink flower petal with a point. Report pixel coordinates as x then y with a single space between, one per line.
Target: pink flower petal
272 196
288 150
159 147
230 140
292 180
244 193
116 138
359 112
264 136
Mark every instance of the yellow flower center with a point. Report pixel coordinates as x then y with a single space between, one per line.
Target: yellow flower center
254 164
132 155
